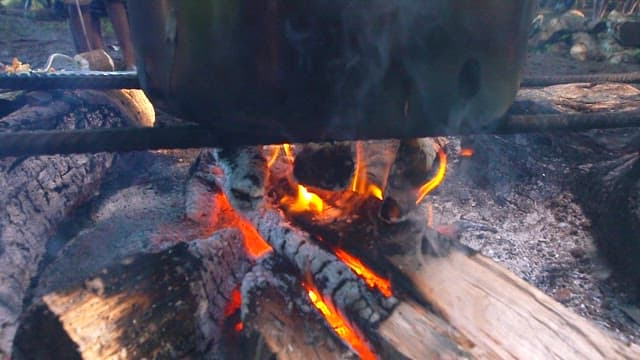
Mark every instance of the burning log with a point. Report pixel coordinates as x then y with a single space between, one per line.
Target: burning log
406 186
328 166
450 318
38 192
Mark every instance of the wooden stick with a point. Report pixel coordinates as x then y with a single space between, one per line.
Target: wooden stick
503 316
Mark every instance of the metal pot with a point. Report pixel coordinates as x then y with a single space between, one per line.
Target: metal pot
320 69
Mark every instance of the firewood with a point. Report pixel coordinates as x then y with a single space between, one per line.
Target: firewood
38 192
167 304
326 166
288 332
411 169
608 184
497 314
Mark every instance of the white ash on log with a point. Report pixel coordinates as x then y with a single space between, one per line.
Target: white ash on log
245 169
39 192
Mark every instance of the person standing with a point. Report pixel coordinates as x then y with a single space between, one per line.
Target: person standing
84 21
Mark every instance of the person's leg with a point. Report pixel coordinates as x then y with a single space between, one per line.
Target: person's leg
96 11
118 16
82 27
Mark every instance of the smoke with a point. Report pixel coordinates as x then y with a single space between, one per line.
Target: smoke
407 66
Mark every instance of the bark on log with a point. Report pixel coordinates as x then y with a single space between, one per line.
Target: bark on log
39 192
165 305
607 183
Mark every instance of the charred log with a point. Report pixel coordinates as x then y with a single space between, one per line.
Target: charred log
39 192
328 166
167 304
411 169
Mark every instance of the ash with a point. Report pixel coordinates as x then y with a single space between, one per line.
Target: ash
525 188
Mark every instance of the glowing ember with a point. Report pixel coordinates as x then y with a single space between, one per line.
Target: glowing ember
360 184
255 244
466 152
430 214
339 324
233 306
234 303
239 326
372 279
304 201
430 185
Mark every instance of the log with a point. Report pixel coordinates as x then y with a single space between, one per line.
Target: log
39 192
607 181
288 332
167 304
460 304
326 166
497 314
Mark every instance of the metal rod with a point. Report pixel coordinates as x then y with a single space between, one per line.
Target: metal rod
99 80
129 80
27 143
539 81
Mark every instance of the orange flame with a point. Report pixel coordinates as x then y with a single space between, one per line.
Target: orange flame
233 306
274 157
239 326
234 303
430 185
372 279
256 246
359 183
339 324
287 151
466 152
304 201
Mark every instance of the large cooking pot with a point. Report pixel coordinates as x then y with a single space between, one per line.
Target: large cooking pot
310 69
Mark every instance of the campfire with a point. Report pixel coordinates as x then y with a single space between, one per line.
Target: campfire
321 250
333 217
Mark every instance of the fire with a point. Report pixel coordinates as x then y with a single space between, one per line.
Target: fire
430 185
234 303
339 324
304 201
288 152
233 306
274 157
277 150
372 279
255 244
359 183
466 152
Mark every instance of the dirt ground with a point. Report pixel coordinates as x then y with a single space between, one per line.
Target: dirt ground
523 186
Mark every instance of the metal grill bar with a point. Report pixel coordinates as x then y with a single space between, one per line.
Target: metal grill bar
28 143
